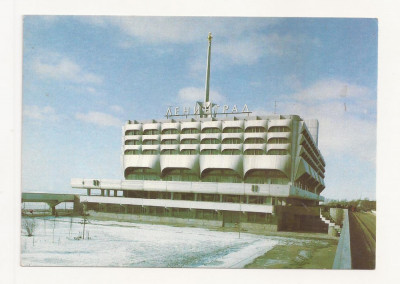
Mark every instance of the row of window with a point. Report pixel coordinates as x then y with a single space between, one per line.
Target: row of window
208 141
204 214
257 129
212 175
208 152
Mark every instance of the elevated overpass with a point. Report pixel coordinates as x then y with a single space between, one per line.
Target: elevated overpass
52 199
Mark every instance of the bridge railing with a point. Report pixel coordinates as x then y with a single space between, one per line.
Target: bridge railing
343 251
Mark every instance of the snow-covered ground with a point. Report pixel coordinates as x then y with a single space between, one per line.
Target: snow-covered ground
126 244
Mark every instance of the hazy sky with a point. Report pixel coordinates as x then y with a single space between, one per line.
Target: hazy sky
83 77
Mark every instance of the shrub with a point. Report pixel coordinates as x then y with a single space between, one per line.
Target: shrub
29 224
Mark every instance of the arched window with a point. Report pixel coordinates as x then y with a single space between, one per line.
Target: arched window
132 132
255 129
254 141
266 176
170 131
209 152
149 152
150 132
220 175
211 130
254 152
132 142
150 142
131 152
179 175
188 152
278 141
210 141
232 141
232 130
141 174
231 152
169 141
190 141
169 152
189 131
279 129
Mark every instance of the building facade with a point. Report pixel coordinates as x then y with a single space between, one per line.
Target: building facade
264 170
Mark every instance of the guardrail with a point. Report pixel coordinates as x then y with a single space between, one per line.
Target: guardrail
343 251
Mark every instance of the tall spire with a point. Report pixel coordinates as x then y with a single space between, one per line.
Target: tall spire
208 69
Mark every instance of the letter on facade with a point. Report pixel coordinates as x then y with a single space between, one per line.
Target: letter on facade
216 109
186 110
169 113
197 109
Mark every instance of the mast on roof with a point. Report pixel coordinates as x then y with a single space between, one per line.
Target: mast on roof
207 100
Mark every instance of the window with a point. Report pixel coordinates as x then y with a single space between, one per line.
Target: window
255 129
132 132
221 175
169 152
278 141
188 152
279 129
210 141
211 130
254 152
190 141
209 152
150 142
266 177
255 188
190 131
132 142
149 152
231 152
309 161
233 130
232 141
254 141
180 175
132 152
169 141
141 174
170 131
150 132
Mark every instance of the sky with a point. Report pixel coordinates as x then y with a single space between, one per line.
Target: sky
83 77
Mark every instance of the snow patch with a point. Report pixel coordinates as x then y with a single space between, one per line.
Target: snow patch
111 243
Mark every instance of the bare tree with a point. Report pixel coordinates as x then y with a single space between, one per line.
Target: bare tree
29 224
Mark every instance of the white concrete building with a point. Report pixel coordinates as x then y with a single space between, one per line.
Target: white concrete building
263 167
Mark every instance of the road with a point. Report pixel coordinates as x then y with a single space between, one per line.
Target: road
362 240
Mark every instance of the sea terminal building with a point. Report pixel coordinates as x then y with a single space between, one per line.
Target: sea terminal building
261 171
255 172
